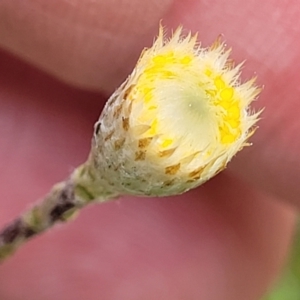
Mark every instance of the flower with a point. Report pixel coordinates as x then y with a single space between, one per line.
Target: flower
176 121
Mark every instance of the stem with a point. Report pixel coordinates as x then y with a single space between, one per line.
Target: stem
60 205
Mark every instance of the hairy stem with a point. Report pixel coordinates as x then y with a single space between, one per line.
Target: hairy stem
60 205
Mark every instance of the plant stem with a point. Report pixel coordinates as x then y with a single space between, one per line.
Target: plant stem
60 205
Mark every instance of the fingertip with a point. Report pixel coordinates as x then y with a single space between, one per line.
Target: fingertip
90 44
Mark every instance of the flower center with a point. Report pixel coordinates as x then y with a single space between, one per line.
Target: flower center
181 99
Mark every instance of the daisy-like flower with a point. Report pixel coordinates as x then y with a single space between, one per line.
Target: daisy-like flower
176 121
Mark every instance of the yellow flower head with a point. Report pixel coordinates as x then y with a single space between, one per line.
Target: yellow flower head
177 120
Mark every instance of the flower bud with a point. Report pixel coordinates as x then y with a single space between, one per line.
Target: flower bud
176 121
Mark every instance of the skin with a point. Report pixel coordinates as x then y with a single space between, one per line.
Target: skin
224 240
